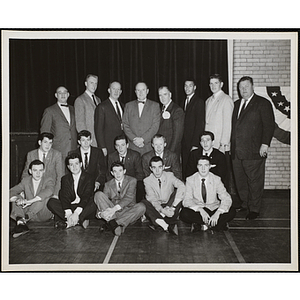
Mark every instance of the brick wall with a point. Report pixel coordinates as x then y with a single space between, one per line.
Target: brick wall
268 63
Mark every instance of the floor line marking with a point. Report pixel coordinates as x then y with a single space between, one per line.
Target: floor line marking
234 248
110 250
272 228
263 219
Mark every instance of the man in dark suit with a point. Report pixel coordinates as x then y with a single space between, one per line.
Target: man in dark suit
85 106
252 131
117 204
171 121
194 121
59 119
54 166
218 160
108 119
92 158
131 160
170 159
141 120
75 204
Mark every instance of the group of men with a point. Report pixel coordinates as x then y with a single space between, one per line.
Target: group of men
142 161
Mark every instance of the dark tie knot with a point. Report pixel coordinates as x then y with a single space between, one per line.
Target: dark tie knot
64 105
203 180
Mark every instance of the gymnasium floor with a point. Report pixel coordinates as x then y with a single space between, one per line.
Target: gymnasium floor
263 241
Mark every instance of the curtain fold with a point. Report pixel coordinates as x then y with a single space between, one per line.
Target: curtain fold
38 67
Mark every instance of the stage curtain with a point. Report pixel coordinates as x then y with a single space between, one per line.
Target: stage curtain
39 66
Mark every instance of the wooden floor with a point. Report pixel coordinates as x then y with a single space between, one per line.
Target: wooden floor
264 240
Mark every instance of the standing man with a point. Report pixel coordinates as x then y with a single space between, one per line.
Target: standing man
52 159
170 159
108 119
59 119
132 163
206 200
117 204
85 106
75 204
252 131
219 108
171 121
194 121
164 194
141 120
92 158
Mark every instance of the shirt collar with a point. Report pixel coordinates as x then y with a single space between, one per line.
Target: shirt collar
89 93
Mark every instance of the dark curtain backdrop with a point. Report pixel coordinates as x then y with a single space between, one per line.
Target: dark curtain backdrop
38 67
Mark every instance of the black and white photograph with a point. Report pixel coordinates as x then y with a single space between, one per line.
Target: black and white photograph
131 150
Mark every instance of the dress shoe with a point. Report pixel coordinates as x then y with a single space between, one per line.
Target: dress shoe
103 227
195 227
173 229
60 224
20 229
252 215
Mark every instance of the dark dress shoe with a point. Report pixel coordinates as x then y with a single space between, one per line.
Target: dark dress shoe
173 229
155 228
20 229
60 225
241 209
195 227
252 215
104 227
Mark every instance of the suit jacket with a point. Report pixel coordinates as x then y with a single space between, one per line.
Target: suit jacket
216 194
217 158
254 127
158 196
126 197
85 190
133 164
107 125
65 134
172 128
170 159
54 166
84 114
145 126
218 118
44 190
194 122
97 165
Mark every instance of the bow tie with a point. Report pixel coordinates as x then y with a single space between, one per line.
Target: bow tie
142 102
64 105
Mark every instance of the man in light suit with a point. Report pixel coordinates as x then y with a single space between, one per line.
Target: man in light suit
194 121
164 195
206 200
219 108
252 131
116 204
59 119
85 106
75 204
170 159
171 121
132 163
92 158
141 120
29 198
51 158
108 119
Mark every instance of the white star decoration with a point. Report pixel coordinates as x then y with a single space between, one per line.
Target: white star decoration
287 108
274 94
280 103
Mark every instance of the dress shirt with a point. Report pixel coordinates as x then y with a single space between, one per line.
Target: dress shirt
113 102
123 157
208 153
76 180
83 155
36 184
41 155
160 155
65 111
167 105
141 104
242 103
187 101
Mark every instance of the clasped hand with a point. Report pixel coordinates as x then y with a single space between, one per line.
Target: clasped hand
210 220
23 202
108 213
139 142
168 211
73 219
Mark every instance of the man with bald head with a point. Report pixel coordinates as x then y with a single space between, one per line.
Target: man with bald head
59 119
141 120
108 119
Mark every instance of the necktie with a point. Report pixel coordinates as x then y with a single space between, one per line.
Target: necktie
122 159
159 183
44 157
118 110
86 163
64 105
203 190
163 108
119 187
187 101
243 107
94 100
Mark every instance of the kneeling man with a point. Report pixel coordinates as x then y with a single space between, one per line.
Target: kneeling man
117 203
164 195
206 199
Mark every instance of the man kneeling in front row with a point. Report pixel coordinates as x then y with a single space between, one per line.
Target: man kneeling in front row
117 203
164 195
206 201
